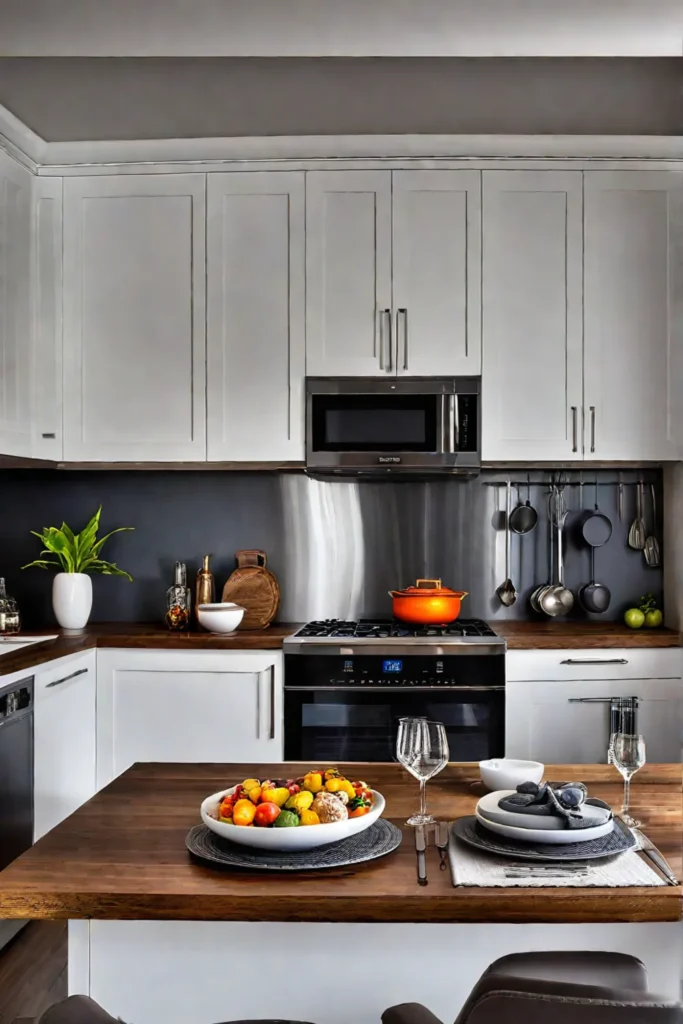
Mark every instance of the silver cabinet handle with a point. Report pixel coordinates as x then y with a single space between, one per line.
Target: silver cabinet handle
596 700
271 734
594 661
384 335
575 428
402 313
65 679
592 412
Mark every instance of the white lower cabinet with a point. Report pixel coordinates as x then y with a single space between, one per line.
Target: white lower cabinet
199 706
557 719
64 739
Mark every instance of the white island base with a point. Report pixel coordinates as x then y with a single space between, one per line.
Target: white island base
201 972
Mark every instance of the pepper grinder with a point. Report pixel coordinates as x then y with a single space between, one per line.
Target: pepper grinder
205 587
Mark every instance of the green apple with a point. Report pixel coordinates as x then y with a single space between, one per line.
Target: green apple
634 618
653 618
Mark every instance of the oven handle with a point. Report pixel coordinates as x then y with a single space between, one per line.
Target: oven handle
393 689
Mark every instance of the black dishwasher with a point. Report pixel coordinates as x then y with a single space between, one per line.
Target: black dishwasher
16 770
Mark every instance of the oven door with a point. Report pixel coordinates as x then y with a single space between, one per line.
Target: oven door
329 725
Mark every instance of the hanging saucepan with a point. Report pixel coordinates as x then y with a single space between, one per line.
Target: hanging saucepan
596 527
427 603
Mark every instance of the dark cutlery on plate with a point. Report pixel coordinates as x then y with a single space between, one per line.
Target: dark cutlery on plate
420 847
442 833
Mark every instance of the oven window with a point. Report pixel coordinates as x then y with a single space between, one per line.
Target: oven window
369 423
352 727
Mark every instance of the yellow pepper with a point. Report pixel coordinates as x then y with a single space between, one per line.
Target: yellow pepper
313 782
309 818
333 785
300 801
249 784
254 794
347 787
279 796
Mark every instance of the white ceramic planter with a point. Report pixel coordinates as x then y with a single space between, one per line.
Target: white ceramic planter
72 599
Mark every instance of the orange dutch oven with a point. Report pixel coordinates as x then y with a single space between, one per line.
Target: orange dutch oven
427 603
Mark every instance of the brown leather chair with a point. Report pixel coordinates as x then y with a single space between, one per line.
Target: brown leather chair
82 1010
556 988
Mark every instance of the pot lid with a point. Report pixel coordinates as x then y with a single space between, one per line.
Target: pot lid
428 588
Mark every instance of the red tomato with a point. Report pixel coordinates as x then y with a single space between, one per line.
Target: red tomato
266 814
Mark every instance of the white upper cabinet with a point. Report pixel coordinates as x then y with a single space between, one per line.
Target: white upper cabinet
436 272
15 344
348 274
532 315
134 318
631 219
256 296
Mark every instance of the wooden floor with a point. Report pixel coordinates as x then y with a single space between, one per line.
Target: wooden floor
33 970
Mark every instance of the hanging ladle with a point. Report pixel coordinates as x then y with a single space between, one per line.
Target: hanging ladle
506 591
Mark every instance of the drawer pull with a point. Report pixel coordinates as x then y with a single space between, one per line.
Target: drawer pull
595 661
65 679
272 702
598 700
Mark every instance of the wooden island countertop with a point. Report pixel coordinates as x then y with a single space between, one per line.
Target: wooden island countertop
123 856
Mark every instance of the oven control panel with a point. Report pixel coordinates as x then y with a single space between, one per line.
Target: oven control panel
411 671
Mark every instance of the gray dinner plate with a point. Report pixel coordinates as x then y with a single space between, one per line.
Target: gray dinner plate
376 841
468 830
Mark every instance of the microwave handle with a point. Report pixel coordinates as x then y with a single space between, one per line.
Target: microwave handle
449 424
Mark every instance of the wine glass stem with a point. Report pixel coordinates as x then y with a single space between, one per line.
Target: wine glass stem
423 797
627 794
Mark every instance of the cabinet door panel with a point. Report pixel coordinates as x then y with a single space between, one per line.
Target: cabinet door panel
64 740
15 353
544 723
628 282
437 272
348 273
134 330
158 707
256 312
532 315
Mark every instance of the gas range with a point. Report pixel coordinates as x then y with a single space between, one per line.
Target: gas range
464 636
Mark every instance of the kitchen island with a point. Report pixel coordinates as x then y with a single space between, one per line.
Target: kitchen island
156 936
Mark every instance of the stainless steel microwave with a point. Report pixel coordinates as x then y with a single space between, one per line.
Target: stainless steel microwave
378 425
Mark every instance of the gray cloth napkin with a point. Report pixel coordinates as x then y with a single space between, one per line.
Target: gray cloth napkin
558 800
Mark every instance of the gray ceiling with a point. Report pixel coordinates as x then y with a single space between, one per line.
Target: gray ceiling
66 99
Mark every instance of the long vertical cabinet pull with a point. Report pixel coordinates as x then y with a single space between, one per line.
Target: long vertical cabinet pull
402 314
271 733
384 337
575 428
592 412
390 342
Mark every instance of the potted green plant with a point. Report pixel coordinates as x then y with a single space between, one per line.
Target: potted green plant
77 555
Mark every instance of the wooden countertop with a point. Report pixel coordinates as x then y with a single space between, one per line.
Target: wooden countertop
528 636
520 636
123 856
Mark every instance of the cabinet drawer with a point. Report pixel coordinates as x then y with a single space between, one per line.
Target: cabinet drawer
595 663
57 675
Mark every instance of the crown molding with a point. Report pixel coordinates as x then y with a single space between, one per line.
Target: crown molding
20 142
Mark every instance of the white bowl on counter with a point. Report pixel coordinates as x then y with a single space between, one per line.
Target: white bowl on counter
508 772
222 617
301 837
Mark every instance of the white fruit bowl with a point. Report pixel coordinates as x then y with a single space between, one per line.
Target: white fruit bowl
301 837
223 617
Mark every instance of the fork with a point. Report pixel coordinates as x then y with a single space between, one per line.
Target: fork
652 853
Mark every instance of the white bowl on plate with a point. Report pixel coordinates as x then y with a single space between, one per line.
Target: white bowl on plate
543 835
222 617
508 772
301 837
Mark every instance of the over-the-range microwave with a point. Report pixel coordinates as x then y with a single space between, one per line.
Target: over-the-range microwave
379 425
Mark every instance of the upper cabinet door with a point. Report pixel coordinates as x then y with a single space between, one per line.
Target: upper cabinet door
256 296
348 274
630 280
134 318
532 315
437 272
15 344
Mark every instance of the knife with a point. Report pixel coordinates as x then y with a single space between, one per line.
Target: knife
652 853
420 846
442 843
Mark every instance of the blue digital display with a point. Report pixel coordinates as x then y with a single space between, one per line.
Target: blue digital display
392 665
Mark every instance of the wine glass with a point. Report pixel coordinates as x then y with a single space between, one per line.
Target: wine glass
628 755
422 748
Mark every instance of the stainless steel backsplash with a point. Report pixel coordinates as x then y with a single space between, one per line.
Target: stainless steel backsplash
336 547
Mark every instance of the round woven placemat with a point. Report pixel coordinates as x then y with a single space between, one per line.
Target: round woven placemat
471 832
377 841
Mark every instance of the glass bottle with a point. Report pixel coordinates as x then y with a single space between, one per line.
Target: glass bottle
10 621
178 600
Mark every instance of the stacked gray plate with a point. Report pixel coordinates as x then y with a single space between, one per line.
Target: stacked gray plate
538 828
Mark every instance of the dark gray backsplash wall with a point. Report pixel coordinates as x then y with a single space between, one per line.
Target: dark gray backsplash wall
336 548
